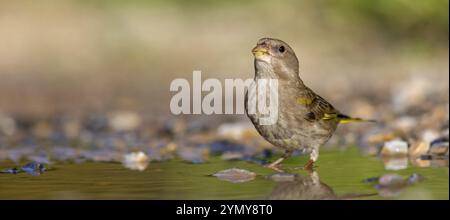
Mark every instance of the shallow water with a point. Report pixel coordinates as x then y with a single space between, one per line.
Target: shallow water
340 174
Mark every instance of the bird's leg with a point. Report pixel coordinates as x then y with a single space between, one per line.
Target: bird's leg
312 158
275 165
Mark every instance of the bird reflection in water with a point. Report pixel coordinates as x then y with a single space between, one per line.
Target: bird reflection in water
309 187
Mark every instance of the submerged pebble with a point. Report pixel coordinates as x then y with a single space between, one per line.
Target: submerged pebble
10 170
391 180
32 168
235 175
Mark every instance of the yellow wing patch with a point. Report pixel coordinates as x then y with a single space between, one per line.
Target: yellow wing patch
328 116
304 101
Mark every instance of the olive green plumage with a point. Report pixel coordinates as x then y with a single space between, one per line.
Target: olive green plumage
305 120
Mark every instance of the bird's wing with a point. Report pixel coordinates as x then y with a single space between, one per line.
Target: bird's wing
318 107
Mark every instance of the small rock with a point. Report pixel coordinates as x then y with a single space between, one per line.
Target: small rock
235 175
10 170
439 146
136 161
395 148
34 168
391 180
418 148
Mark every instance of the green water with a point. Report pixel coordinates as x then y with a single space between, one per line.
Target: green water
341 173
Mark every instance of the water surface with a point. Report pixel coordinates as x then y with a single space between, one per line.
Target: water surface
339 175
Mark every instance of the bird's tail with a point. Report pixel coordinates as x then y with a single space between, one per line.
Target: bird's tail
344 119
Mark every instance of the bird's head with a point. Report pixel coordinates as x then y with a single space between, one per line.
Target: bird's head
277 55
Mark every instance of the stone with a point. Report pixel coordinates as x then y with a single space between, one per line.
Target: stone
439 146
136 161
418 148
235 175
395 148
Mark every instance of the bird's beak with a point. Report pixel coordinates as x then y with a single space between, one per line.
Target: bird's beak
260 51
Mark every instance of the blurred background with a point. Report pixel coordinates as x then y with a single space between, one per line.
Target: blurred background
78 56
88 80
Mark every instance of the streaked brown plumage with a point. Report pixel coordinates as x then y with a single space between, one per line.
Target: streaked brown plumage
305 120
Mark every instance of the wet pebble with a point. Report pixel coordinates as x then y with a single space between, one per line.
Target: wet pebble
391 180
418 148
235 175
135 161
439 146
395 148
34 168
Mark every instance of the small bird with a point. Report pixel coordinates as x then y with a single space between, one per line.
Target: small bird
305 120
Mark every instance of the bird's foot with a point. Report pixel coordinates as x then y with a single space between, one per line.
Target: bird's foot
276 165
276 168
309 166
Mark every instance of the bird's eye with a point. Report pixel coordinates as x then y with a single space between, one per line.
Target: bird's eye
281 49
